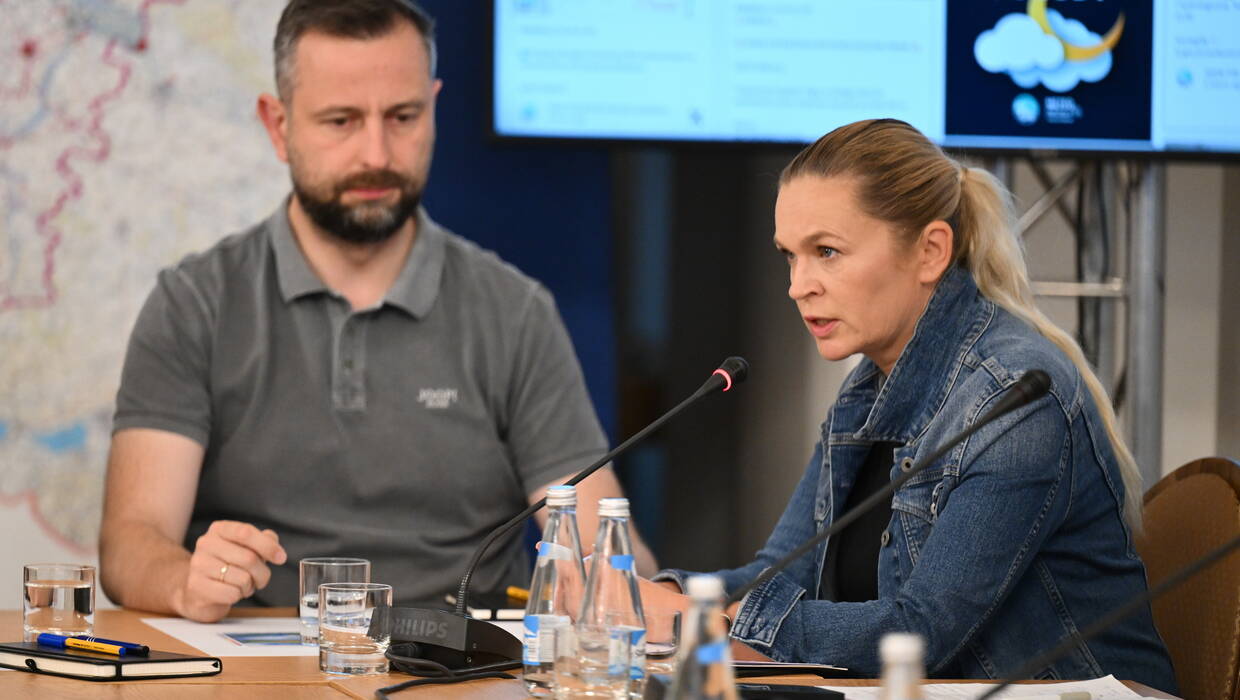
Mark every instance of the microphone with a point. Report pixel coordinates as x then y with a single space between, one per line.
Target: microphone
1031 386
451 641
1103 624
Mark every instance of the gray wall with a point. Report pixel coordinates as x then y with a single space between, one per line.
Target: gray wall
1229 318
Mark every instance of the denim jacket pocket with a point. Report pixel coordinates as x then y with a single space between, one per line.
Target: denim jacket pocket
916 505
921 495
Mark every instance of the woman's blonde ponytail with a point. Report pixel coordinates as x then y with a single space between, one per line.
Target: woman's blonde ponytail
992 253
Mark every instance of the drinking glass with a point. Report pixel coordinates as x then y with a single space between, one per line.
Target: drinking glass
662 640
319 570
347 644
58 598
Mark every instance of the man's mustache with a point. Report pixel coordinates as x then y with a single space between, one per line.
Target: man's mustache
373 179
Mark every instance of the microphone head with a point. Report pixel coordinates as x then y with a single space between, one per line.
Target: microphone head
1032 385
736 368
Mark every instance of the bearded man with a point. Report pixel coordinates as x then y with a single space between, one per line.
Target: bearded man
347 377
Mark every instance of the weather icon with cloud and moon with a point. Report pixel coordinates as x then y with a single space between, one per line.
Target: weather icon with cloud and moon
1040 45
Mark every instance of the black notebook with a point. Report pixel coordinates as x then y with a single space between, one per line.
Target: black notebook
92 666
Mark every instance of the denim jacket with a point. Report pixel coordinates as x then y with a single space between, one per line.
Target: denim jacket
997 551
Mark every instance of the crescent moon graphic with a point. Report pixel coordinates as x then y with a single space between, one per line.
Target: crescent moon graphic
1036 9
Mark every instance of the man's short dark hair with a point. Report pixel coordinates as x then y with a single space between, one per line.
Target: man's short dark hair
350 19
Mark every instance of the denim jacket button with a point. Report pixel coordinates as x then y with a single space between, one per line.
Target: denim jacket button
906 464
886 538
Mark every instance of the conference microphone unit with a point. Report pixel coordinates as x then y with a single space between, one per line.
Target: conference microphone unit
1104 623
441 643
1031 386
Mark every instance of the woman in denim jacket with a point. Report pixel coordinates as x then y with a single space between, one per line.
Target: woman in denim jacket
1018 537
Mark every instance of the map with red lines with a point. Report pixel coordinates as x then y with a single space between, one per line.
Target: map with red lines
127 140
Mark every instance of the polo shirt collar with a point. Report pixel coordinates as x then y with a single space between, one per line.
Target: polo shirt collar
296 277
417 286
414 290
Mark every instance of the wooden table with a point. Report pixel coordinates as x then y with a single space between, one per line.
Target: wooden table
266 678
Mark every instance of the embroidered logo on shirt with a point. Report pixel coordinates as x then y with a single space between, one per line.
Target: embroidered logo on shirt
437 398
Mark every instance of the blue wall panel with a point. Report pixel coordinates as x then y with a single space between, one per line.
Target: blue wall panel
544 208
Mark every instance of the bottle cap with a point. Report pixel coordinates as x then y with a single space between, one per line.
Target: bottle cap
704 588
901 648
613 507
561 496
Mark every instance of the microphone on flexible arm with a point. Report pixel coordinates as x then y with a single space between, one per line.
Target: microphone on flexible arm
453 643
1032 385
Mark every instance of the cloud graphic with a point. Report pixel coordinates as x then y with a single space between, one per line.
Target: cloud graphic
1018 46
1017 43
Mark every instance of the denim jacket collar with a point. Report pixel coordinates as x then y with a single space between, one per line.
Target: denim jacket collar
922 376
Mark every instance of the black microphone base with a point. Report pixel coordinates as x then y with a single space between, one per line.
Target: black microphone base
459 642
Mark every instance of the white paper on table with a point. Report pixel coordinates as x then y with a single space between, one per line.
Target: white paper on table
212 639
1105 688
514 627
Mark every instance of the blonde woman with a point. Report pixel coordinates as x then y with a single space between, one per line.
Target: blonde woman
1016 538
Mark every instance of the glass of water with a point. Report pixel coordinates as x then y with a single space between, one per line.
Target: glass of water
58 598
662 640
347 644
319 570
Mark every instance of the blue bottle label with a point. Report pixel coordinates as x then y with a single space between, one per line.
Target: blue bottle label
711 653
637 657
551 550
530 639
539 638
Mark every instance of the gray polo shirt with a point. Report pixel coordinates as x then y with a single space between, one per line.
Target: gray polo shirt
402 433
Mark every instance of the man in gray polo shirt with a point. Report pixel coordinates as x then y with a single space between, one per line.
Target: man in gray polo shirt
346 378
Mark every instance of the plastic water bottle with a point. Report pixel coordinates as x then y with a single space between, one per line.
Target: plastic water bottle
555 589
903 659
705 671
611 631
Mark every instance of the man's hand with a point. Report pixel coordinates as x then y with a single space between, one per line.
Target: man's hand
229 563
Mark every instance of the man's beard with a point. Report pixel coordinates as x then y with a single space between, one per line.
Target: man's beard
367 222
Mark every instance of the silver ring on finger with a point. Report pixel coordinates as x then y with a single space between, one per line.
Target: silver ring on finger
223 572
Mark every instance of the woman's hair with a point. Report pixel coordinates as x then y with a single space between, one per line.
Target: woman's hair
907 181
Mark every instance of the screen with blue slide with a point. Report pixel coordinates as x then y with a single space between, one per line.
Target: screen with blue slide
1056 75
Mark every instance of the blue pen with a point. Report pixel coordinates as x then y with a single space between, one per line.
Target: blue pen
130 647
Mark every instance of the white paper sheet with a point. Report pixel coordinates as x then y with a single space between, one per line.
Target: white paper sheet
514 627
1105 688
228 636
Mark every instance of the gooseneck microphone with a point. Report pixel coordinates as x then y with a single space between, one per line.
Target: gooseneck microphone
1076 639
732 370
1031 386
444 643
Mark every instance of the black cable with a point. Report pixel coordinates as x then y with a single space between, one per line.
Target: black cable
435 673
382 693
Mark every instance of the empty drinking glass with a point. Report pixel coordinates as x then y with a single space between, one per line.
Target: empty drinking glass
319 570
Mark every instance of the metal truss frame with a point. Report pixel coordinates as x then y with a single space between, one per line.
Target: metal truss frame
1115 212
